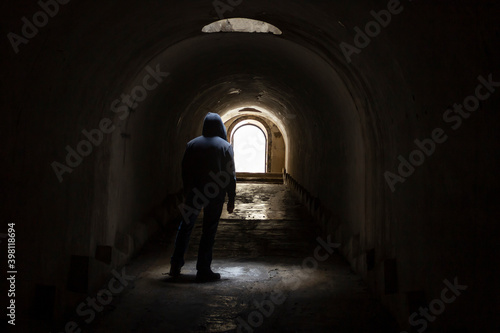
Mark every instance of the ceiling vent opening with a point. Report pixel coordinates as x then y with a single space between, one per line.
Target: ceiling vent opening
241 25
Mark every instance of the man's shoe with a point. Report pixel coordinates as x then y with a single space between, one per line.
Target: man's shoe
207 276
175 271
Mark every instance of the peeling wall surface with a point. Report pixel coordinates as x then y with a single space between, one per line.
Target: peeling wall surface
389 110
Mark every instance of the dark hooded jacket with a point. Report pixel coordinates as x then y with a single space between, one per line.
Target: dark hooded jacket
209 159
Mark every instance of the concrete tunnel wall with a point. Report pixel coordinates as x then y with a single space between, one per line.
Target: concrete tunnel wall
347 123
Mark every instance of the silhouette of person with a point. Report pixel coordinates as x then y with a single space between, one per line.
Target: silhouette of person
208 173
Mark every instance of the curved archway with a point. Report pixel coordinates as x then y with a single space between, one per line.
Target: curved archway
276 141
250 149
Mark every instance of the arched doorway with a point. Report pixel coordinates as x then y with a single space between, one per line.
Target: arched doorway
275 146
250 149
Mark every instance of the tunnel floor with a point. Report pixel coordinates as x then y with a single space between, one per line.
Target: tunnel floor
266 285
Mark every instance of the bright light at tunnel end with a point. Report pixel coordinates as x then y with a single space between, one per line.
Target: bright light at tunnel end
249 144
279 119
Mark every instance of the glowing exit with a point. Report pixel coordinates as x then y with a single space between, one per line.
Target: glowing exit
249 143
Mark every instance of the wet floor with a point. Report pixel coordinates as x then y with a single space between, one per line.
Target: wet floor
276 277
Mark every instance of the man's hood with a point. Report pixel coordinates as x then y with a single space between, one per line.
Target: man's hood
213 126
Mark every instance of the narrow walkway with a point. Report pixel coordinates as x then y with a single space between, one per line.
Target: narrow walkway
265 287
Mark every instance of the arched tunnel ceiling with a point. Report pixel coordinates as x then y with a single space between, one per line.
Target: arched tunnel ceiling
298 75
348 124
294 84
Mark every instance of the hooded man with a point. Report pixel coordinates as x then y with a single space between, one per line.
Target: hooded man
208 173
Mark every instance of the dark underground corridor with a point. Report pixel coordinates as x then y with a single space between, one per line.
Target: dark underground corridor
380 148
276 277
